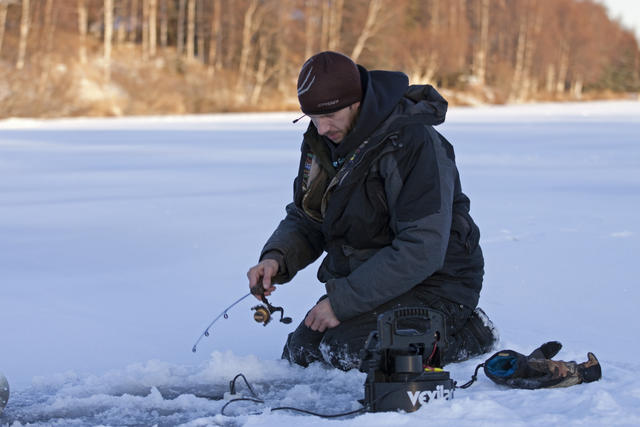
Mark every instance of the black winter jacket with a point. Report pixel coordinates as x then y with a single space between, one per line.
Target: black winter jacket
385 204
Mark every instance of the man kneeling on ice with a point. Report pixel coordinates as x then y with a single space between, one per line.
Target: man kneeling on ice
378 190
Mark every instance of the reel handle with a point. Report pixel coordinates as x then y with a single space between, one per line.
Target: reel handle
263 312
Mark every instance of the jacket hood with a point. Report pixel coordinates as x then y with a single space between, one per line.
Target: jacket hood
385 94
382 90
425 101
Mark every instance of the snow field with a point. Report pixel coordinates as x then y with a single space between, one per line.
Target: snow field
123 238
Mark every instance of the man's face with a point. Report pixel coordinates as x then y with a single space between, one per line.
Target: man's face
337 125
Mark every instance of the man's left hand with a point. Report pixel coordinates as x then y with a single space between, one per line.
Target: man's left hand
321 317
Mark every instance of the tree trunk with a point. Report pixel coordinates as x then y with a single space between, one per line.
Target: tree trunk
164 24
121 32
181 13
422 69
434 21
335 25
309 28
201 31
480 66
551 79
368 30
282 38
247 33
518 71
49 29
576 88
532 35
82 30
153 35
3 21
108 34
452 23
24 33
216 38
133 21
145 29
326 18
261 72
458 29
191 29
563 67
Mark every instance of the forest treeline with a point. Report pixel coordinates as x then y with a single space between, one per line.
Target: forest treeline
95 57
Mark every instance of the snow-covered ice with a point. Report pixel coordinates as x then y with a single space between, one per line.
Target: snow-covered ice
121 239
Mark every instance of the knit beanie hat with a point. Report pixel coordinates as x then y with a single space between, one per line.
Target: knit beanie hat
328 82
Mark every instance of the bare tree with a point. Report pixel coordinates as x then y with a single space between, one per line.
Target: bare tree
261 72
282 38
4 6
326 18
268 29
518 73
82 30
335 24
24 34
133 20
247 33
420 47
49 25
49 29
309 28
180 35
369 28
529 82
563 66
145 29
216 38
121 16
153 35
457 36
201 30
480 58
108 34
191 28
164 23
3 20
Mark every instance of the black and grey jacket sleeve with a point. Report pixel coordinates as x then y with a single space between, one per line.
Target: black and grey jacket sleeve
419 179
296 243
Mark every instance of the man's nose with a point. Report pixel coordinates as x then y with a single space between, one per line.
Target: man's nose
322 126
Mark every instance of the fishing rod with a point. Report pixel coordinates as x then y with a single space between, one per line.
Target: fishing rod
263 312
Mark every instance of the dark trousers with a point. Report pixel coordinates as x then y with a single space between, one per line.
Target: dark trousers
340 346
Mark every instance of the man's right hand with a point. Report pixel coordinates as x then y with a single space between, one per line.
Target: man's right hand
263 272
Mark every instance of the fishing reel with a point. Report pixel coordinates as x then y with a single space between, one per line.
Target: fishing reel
264 311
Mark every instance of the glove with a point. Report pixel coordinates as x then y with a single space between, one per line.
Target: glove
537 370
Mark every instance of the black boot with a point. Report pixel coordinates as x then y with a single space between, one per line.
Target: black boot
301 347
477 336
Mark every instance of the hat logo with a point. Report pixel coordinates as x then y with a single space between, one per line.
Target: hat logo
328 103
306 84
